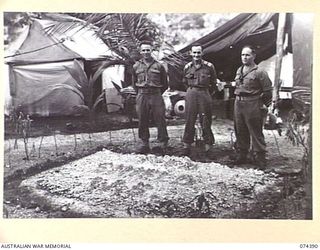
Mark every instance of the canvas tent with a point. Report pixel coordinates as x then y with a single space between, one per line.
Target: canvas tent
302 41
223 47
39 84
286 74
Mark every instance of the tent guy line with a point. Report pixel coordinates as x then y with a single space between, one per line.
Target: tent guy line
31 51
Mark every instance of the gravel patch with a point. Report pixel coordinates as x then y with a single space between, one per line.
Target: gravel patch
109 184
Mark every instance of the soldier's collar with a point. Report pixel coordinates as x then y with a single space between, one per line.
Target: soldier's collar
253 67
193 63
250 70
151 61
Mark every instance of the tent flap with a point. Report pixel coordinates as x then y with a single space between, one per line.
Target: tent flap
45 89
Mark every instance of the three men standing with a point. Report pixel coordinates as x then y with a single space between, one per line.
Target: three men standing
253 95
201 78
150 81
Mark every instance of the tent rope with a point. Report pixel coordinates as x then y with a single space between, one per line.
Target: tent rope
31 51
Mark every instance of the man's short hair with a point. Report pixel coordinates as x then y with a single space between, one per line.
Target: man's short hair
253 49
196 45
147 42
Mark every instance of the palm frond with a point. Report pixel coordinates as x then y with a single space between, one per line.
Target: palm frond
124 30
99 99
117 87
105 65
78 73
64 23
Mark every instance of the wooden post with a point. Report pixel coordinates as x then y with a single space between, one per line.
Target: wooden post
279 55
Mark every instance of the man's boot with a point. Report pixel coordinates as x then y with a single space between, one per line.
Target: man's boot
241 158
209 152
260 160
164 145
144 148
207 148
186 151
161 148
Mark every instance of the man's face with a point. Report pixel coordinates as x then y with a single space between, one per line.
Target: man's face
196 53
247 57
145 51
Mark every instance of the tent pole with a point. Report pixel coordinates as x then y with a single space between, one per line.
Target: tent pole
279 55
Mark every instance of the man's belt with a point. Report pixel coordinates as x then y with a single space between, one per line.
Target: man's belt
149 91
198 87
247 97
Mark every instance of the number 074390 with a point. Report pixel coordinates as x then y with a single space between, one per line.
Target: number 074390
310 246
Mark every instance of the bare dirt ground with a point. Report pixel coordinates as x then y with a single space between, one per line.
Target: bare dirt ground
74 173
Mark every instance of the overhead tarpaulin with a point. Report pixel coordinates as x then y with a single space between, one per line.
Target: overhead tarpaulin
234 31
44 89
302 39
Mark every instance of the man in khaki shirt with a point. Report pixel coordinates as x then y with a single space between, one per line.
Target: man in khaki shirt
253 95
150 81
201 79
